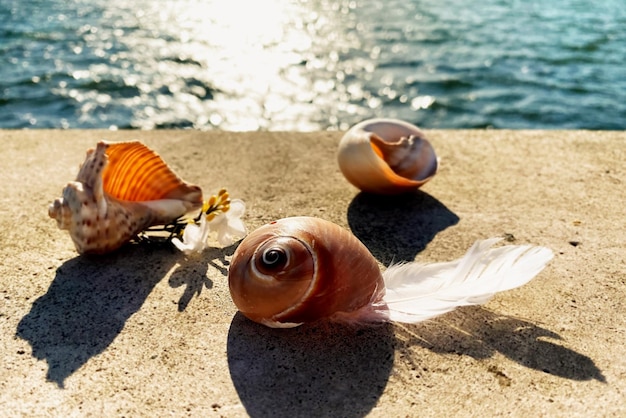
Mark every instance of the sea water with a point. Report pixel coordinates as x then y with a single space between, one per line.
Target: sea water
312 64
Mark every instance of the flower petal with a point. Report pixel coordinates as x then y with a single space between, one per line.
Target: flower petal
229 225
238 228
181 245
194 238
237 208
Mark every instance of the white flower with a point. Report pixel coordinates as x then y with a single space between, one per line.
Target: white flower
228 225
220 215
194 237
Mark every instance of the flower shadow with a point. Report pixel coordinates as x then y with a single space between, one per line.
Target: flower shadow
480 333
88 303
193 273
315 370
396 228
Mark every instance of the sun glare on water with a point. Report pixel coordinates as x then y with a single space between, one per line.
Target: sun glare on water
241 65
311 64
248 55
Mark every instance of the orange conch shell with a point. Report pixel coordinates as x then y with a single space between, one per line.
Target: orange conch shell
121 190
302 269
386 156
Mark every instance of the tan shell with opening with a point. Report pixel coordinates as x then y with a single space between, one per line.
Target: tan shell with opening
366 150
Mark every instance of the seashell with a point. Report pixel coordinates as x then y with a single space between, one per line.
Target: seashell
386 156
302 269
121 190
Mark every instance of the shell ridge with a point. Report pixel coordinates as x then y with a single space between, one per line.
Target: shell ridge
125 161
137 173
111 179
144 179
124 190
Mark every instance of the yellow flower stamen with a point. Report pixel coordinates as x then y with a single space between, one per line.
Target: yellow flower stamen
216 204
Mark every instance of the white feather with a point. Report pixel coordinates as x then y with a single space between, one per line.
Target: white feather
416 292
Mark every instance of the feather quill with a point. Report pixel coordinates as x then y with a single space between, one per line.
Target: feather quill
416 292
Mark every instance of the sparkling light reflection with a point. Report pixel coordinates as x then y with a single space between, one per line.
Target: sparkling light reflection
236 65
311 64
250 52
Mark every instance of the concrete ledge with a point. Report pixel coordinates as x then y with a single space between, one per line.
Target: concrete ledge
145 332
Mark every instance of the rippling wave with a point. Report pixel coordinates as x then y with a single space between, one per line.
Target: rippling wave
312 64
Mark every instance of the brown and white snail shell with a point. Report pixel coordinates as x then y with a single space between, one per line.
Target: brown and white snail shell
302 269
121 190
386 156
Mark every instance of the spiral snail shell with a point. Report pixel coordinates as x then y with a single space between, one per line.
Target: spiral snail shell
302 269
121 190
386 156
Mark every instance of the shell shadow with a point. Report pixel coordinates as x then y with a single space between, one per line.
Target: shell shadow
315 370
396 228
480 333
88 304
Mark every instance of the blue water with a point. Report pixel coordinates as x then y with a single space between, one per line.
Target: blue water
307 65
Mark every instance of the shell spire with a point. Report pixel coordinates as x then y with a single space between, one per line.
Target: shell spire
121 190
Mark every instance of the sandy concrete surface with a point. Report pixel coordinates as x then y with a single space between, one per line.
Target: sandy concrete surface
145 332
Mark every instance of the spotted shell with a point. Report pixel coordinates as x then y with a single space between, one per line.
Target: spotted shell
302 269
386 156
121 190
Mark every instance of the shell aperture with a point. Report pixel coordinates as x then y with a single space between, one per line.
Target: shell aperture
301 269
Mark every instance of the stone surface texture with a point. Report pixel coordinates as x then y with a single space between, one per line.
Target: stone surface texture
148 332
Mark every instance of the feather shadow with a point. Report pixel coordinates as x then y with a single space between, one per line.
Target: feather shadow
480 333
374 220
88 303
315 370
